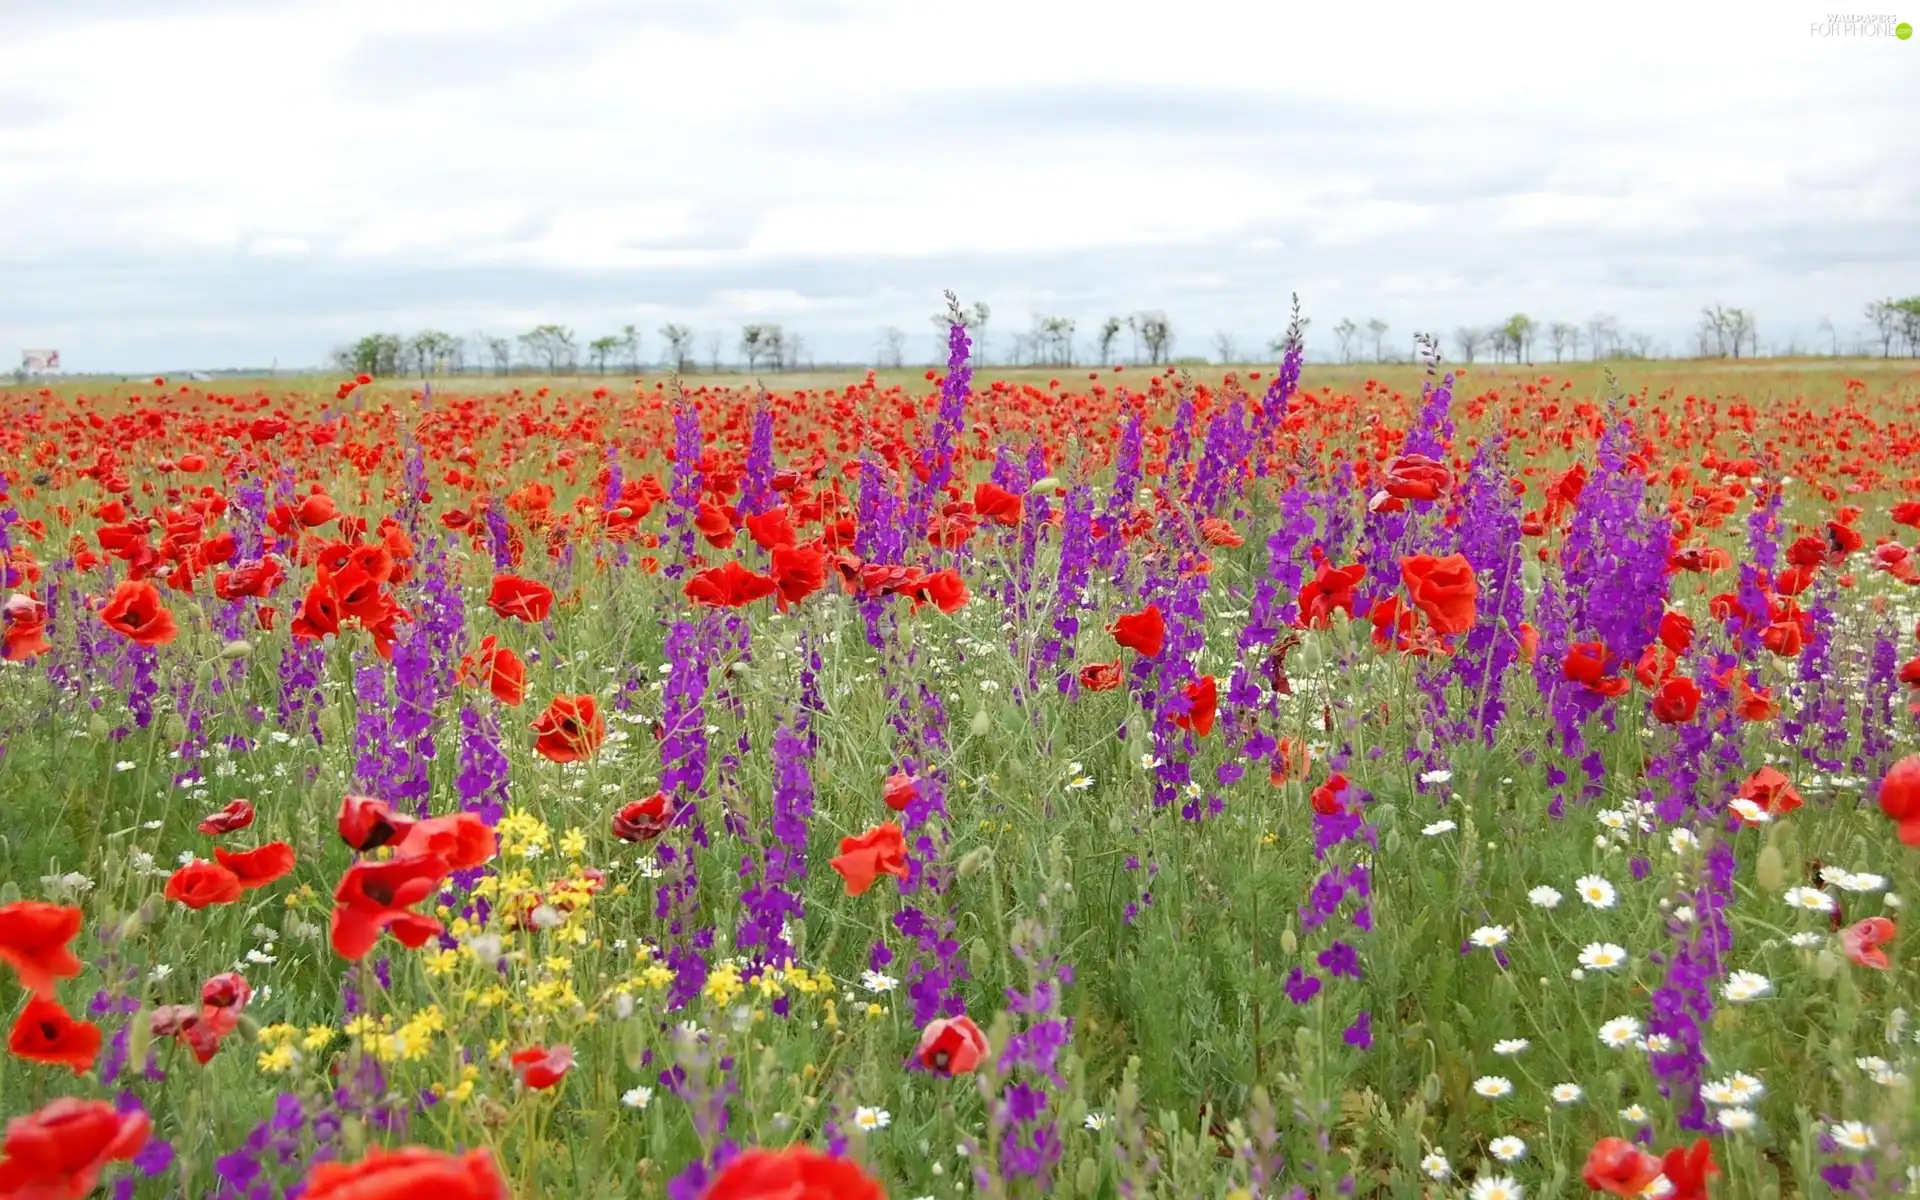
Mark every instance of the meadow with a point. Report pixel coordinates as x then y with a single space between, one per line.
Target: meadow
1276 782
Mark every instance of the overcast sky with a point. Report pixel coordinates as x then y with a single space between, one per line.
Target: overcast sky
198 183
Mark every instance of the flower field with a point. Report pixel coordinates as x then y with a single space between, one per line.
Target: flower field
1123 785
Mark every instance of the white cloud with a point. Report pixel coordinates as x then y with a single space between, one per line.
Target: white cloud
198 181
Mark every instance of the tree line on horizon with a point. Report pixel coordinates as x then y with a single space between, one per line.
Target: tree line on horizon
1148 337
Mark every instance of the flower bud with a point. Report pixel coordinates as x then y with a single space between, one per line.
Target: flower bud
1045 484
1771 871
973 861
979 958
1532 574
97 728
175 728
238 648
139 1037
1826 964
330 723
981 724
1289 941
1086 1177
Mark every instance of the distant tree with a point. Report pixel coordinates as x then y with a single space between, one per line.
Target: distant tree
1603 334
552 347
679 346
600 349
1377 330
714 341
1500 342
1346 336
893 346
630 342
1109 332
1520 336
1052 340
1156 332
1224 349
1468 340
753 345
1561 335
429 352
1833 335
1909 310
1885 319
377 354
1725 331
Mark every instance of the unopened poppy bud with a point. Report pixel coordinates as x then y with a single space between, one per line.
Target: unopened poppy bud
972 861
1311 656
139 1038
634 1044
353 1135
238 648
247 1028
1045 484
1826 965
1531 574
175 728
97 728
1392 842
131 927
1086 1177
1289 941
979 958
330 723
981 724
203 673
622 1005
1771 872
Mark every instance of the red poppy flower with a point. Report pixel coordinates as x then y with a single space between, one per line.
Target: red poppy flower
367 824
33 941
319 611
1442 588
47 1033
522 599
951 1046
201 883
1329 799
26 623
879 851
1144 632
1771 792
1204 696
1688 1171
796 1173
498 669
134 611
643 820
226 991
1862 941
237 815
1676 701
899 791
1588 664
1676 631
410 1173
462 840
377 896
1411 477
730 586
60 1151
715 523
995 503
259 867
1620 1168
316 510
1900 798
772 530
1330 589
946 589
540 1067
570 730
798 572
1101 677
1217 531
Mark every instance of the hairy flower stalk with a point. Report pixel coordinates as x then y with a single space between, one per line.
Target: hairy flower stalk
936 458
1070 594
688 480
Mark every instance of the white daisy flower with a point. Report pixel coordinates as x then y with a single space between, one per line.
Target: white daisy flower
1602 956
874 981
1856 1136
1507 1149
1441 776
1493 1086
1657 1043
1736 1120
1634 1113
1861 881
1436 1167
1749 812
1596 891
1746 1087
1097 1121
1488 936
638 1097
1620 1033
1810 899
1495 1187
1439 827
1807 940
1742 986
1510 1046
1719 1091
1568 1093
1544 897
870 1119
1682 841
